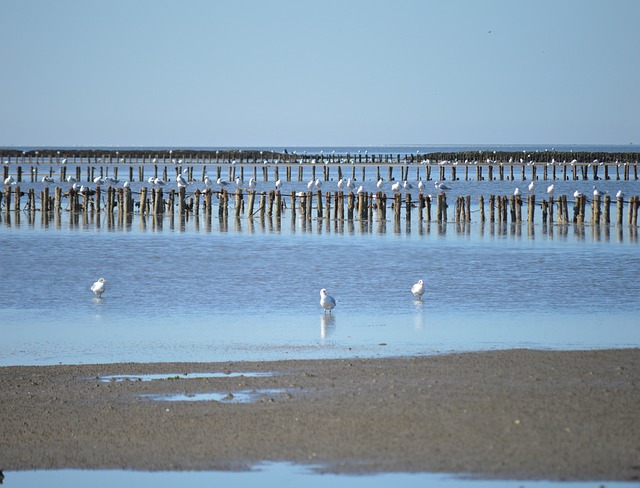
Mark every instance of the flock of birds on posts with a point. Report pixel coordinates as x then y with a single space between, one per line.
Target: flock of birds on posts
182 182
327 302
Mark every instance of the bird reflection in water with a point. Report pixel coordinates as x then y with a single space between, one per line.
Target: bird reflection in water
418 314
327 325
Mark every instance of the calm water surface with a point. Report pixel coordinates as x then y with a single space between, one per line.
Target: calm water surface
242 291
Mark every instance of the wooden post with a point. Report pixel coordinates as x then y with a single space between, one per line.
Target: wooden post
252 197
158 202
350 205
620 213
143 200
98 199
606 209
595 210
181 200
238 203
319 204
481 205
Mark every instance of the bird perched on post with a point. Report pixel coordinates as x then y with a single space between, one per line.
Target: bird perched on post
99 287
327 302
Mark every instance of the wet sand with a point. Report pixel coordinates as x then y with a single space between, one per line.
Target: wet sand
502 414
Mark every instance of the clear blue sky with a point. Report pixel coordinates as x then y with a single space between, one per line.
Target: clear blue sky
322 72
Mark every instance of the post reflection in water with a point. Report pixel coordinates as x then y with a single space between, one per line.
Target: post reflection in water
272 224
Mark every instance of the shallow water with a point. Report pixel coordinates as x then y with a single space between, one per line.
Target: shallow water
279 474
180 292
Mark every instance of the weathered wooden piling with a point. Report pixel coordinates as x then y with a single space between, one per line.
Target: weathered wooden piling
158 202
350 205
595 210
620 210
362 205
606 209
319 206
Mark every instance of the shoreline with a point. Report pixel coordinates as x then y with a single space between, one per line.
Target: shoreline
510 414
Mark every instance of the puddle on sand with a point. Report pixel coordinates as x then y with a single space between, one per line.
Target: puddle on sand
242 396
183 376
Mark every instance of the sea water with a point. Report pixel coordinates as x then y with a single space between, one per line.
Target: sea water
249 290
202 289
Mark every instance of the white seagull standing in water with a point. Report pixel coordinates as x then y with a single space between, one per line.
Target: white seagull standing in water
531 187
99 287
441 186
418 289
327 302
550 189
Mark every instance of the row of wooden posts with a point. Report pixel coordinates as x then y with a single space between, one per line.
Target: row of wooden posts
361 206
482 172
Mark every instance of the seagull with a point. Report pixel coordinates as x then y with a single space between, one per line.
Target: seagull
221 182
360 189
550 189
380 184
47 179
350 184
98 181
517 191
252 183
577 194
418 289
207 181
597 192
318 183
327 302
278 184
421 186
111 180
396 186
619 194
239 182
158 182
531 187
9 180
71 179
125 184
310 184
151 180
407 185
441 186
99 287
182 181
340 183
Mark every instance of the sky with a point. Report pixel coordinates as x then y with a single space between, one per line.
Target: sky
220 73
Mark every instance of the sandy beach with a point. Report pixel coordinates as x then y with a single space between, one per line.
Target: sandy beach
518 414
